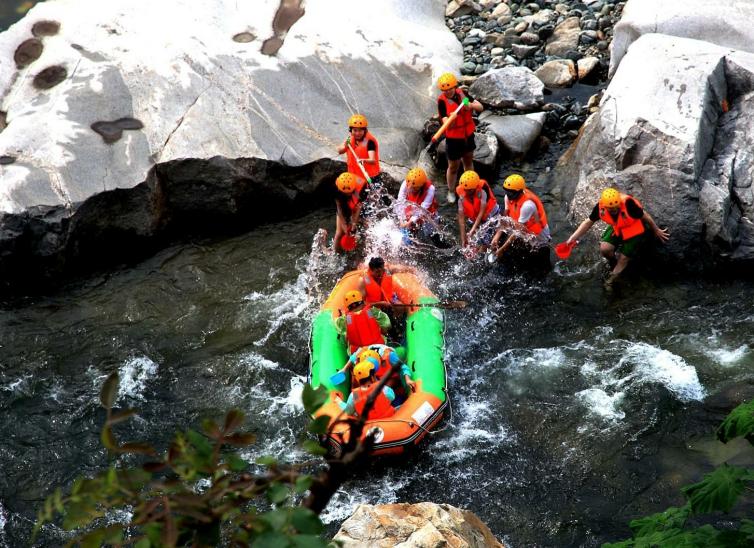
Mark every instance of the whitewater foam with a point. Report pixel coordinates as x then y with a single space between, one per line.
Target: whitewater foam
654 364
600 403
134 376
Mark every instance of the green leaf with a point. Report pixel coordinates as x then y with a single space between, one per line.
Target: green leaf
236 463
108 438
109 391
57 499
319 425
277 493
200 443
303 483
313 398
271 539
738 423
266 460
276 519
747 527
672 518
314 448
143 543
233 420
718 491
308 541
306 522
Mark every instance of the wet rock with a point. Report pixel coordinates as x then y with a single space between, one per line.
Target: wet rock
509 87
485 155
545 32
585 66
244 37
517 133
27 52
522 51
458 8
602 45
521 27
542 17
468 67
564 38
557 73
502 14
7 160
45 28
415 525
50 77
530 38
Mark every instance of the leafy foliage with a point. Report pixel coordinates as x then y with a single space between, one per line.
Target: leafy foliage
199 493
718 491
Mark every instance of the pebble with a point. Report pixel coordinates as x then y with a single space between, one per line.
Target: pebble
522 51
468 67
545 32
530 38
521 27
497 51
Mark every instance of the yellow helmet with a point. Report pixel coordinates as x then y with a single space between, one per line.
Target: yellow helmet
514 182
368 353
416 178
357 120
610 198
353 296
363 369
470 180
346 182
447 81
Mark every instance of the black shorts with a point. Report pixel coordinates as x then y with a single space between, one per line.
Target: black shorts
456 148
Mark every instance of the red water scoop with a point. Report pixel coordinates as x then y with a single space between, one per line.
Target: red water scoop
563 250
348 242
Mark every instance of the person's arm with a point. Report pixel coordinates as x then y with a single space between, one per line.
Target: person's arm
348 406
400 205
585 225
383 320
461 223
340 325
344 147
429 198
482 209
442 110
661 233
476 106
389 394
355 214
371 153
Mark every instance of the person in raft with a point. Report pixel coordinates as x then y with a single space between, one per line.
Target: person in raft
361 325
363 372
349 199
628 224
476 205
387 357
365 147
459 137
416 207
524 207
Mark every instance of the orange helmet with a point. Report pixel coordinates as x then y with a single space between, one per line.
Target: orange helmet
346 182
610 198
357 120
447 81
470 180
352 297
416 178
514 182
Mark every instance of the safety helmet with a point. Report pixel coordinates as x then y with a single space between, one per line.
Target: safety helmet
470 180
353 296
363 369
357 120
447 81
514 182
416 178
610 198
368 353
346 182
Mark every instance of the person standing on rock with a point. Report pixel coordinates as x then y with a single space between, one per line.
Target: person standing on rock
349 198
628 225
459 137
365 147
523 207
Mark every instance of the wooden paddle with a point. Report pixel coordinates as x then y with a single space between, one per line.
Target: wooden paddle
450 305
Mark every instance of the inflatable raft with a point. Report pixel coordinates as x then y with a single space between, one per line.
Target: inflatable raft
424 343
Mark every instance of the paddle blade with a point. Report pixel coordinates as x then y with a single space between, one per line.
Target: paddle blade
348 242
338 378
563 250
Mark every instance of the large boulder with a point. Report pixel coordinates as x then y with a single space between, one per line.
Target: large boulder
656 136
421 525
509 87
722 22
517 133
103 96
565 38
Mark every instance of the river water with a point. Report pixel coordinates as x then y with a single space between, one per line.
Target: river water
573 409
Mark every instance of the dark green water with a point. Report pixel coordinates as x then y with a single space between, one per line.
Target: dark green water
574 410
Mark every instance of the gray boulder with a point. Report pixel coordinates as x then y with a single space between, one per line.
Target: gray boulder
722 22
517 133
565 38
509 87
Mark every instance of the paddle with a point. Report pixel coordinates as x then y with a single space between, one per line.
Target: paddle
338 378
442 304
439 133
563 250
363 171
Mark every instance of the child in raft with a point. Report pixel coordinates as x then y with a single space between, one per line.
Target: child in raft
385 357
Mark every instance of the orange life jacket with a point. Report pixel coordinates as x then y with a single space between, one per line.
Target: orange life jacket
381 408
378 292
536 223
354 198
463 126
471 206
362 153
417 198
624 226
362 329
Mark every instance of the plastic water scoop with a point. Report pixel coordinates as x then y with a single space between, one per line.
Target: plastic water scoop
348 242
563 250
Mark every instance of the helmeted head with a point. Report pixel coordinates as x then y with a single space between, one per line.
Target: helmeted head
363 369
610 198
514 185
470 180
447 81
353 299
416 178
357 121
346 182
369 353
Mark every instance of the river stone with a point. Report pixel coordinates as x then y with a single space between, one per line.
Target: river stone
586 65
203 96
459 8
722 22
522 51
509 87
421 525
485 154
656 136
564 38
517 133
557 73
502 14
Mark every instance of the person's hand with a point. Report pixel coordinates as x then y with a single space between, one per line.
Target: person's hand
662 234
411 384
